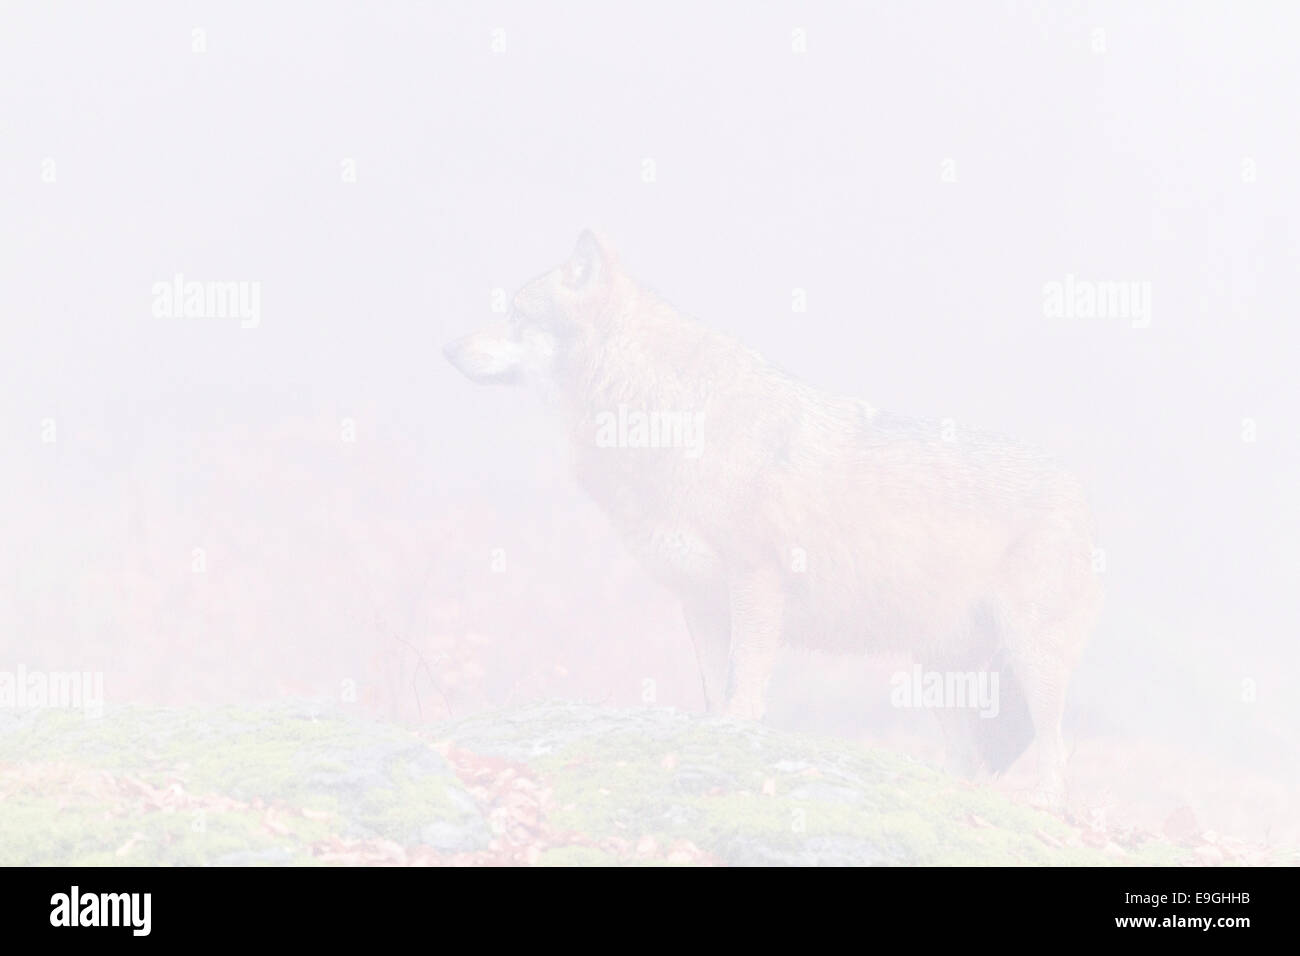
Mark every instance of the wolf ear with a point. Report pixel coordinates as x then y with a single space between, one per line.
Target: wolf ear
589 262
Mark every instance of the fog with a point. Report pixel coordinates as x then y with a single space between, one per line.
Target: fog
304 499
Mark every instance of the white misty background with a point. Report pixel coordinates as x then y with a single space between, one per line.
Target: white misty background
921 171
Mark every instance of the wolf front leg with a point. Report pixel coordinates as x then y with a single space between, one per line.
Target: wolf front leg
757 615
709 621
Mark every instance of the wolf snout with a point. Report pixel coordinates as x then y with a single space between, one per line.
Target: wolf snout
488 357
463 355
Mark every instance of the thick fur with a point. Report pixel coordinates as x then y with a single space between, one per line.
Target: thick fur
810 519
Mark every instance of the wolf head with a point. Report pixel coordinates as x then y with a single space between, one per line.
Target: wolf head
546 317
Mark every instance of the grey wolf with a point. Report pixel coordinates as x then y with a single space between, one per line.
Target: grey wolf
780 514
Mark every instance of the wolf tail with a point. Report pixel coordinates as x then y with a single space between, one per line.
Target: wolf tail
1001 739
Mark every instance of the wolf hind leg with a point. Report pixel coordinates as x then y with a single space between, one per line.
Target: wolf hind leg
1045 697
1043 672
1046 607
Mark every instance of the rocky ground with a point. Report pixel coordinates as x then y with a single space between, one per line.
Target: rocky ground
559 783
